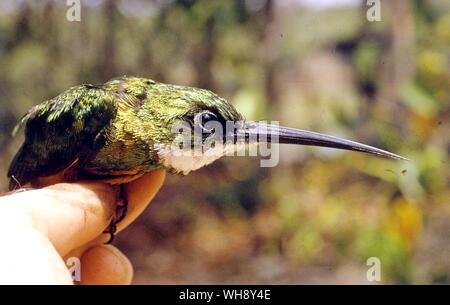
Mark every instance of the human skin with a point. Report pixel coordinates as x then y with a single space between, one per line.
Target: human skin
41 228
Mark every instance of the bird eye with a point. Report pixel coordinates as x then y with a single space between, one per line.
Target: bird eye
204 117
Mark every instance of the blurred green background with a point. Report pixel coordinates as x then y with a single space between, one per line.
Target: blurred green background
320 65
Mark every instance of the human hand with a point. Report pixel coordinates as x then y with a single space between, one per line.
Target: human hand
41 228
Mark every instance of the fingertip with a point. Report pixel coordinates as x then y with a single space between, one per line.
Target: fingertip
142 190
139 193
105 265
70 214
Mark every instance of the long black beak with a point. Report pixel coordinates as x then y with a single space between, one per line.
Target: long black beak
262 132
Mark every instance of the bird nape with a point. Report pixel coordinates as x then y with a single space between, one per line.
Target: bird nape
117 131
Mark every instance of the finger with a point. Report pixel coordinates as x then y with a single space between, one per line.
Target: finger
69 214
105 264
139 193
28 257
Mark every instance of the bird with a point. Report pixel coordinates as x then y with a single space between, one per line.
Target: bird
119 130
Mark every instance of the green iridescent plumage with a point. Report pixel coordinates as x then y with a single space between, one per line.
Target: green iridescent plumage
107 130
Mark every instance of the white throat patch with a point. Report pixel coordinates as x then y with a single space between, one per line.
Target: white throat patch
185 161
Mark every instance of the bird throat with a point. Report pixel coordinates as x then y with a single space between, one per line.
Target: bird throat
186 160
